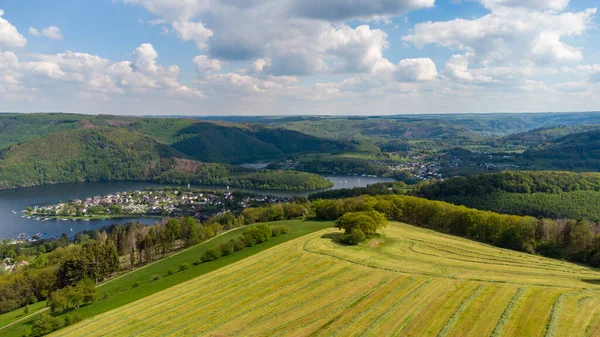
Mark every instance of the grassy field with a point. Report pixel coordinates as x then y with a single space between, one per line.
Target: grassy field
410 282
121 291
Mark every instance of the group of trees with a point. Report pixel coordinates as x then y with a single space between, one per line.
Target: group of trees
399 187
74 296
575 240
546 194
514 182
358 226
343 166
264 179
251 236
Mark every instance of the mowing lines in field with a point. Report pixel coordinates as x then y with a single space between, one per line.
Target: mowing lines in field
365 297
426 317
325 283
594 327
316 290
459 311
312 319
390 310
219 307
532 312
176 295
498 329
553 319
354 317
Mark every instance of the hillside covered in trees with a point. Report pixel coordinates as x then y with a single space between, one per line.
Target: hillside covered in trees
109 154
544 193
576 151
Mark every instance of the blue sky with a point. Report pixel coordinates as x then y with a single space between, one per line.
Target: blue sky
208 57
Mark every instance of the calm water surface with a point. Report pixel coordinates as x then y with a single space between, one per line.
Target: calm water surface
19 199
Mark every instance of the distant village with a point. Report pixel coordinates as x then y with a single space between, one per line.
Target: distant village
151 202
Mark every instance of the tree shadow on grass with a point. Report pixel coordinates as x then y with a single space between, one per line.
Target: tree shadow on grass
591 280
335 238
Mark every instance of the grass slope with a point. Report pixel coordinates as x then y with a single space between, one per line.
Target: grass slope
414 283
120 291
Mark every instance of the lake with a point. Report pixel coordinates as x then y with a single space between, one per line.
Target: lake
19 199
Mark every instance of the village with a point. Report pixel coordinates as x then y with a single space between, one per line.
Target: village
152 202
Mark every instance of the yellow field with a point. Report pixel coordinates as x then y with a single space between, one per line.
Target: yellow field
414 282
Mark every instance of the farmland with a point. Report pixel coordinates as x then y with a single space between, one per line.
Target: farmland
409 282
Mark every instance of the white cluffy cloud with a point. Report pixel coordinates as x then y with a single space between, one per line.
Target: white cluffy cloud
9 35
85 73
51 32
509 35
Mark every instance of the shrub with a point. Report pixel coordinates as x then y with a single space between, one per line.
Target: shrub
238 243
212 254
68 319
279 230
197 262
171 271
137 284
257 233
227 248
184 266
44 325
355 237
155 277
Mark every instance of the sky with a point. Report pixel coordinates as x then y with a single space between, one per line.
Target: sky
290 57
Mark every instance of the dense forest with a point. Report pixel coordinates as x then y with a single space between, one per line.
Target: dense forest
543 193
576 151
107 154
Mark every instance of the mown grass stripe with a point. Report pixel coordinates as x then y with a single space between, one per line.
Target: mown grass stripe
459 311
504 318
553 319
391 309
373 307
277 286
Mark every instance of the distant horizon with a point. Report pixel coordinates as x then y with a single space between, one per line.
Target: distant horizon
305 115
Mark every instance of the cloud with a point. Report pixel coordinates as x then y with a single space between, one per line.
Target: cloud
509 35
192 31
556 5
53 32
413 70
86 73
205 65
356 50
9 36
34 32
291 42
338 10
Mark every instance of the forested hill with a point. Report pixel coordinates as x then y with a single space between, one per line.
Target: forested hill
540 136
543 193
211 142
203 141
581 150
105 154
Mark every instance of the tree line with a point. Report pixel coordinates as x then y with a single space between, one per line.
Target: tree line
575 240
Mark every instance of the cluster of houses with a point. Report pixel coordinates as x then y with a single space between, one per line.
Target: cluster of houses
288 165
165 202
420 169
8 265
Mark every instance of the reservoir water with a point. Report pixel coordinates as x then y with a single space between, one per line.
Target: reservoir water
19 199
